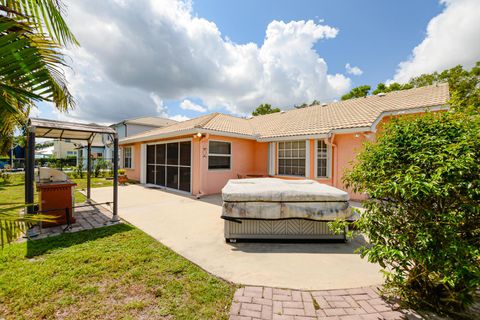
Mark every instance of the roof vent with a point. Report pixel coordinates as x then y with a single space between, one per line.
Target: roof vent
381 94
282 111
324 104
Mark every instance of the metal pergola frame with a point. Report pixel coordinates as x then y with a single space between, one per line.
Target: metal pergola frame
44 128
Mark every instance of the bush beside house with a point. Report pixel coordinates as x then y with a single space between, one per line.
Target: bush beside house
423 214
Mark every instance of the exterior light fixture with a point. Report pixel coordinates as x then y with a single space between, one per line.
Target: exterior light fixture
199 135
357 135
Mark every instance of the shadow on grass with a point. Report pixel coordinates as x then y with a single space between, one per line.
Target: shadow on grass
65 240
5 186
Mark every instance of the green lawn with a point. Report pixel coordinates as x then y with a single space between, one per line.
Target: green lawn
14 190
115 272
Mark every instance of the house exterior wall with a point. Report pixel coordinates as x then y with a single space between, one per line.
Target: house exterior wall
347 147
97 153
344 148
63 149
247 157
123 131
135 172
138 128
250 157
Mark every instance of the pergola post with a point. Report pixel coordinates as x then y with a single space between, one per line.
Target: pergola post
30 170
89 169
115 179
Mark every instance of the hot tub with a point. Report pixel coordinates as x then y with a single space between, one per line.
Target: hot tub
269 208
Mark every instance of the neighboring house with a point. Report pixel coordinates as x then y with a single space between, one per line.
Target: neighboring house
64 149
61 149
43 153
98 151
199 156
135 126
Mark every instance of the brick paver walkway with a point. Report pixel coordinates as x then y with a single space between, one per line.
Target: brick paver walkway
251 303
87 217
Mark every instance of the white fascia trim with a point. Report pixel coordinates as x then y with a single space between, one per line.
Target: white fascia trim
157 136
271 158
384 114
329 161
294 138
349 130
168 141
307 158
143 162
186 132
227 134
132 155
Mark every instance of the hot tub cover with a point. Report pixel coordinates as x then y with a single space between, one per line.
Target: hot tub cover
280 190
277 199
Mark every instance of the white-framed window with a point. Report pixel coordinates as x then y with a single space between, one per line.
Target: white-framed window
292 158
127 157
322 159
219 155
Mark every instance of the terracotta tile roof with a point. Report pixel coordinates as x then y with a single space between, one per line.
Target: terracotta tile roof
314 120
150 121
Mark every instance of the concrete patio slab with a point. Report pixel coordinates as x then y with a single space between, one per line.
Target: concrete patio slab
193 229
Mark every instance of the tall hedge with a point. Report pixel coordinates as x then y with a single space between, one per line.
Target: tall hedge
422 217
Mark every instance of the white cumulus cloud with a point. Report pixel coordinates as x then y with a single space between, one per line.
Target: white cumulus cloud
356 71
137 54
189 105
452 38
179 117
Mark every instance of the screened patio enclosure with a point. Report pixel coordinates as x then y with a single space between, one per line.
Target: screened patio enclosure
170 165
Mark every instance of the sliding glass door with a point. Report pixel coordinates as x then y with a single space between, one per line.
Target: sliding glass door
169 165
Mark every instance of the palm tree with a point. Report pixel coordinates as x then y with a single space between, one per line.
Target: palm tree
32 36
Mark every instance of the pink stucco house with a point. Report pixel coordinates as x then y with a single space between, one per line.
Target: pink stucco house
200 155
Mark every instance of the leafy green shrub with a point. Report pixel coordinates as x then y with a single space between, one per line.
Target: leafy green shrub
422 217
5 176
108 173
78 173
99 166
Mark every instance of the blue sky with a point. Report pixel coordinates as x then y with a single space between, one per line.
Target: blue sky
182 59
374 35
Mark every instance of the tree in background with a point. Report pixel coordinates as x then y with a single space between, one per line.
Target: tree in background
464 86
395 86
43 145
264 108
304 105
32 34
357 92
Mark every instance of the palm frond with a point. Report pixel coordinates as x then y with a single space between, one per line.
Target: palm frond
13 223
30 71
45 14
